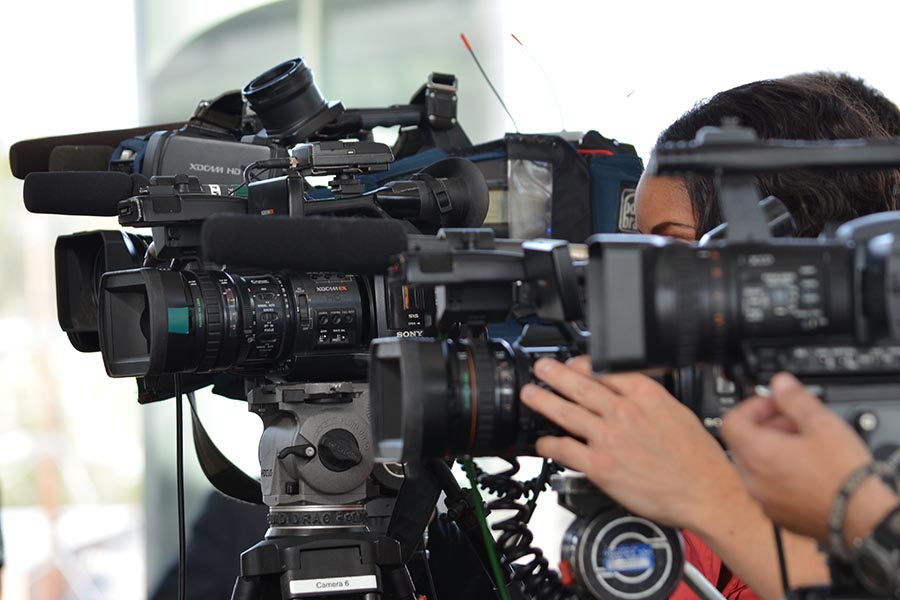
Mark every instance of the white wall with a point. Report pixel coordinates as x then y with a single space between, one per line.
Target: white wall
629 69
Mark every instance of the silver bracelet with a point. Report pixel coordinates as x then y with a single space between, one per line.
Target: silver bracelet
836 517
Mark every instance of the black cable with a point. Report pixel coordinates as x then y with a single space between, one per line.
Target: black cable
535 485
782 564
271 163
179 483
514 541
237 189
538 484
428 576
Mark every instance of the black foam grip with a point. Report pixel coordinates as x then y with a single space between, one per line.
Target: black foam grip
29 156
347 245
94 193
80 158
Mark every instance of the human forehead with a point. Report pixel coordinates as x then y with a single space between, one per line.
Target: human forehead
662 205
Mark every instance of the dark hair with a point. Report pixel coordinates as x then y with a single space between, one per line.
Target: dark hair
870 100
810 106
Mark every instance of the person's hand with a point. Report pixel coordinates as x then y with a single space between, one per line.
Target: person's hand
641 446
794 454
650 453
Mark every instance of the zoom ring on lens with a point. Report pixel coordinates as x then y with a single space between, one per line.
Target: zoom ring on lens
687 327
212 316
483 398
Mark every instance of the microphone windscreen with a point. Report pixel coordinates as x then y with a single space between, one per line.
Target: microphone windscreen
345 245
95 193
29 156
80 158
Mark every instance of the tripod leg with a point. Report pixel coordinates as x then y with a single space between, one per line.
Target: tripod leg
256 588
397 584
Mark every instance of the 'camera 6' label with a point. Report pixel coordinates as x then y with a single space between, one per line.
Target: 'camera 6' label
359 583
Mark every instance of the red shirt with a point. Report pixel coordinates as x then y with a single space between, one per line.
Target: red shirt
699 554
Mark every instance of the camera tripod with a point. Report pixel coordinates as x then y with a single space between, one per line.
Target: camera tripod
313 561
329 504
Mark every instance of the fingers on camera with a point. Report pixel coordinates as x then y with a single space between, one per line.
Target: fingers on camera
582 364
576 386
566 451
792 399
575 419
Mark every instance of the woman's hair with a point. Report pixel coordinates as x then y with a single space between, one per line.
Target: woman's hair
868 99
808 106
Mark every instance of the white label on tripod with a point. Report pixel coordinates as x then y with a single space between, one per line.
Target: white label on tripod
358 583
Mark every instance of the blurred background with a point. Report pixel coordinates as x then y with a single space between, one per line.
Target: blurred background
86 475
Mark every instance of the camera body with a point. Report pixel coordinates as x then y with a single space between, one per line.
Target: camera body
458 395
186 315
211 155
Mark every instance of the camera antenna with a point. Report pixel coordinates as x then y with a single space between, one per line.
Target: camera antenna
534 59
488 79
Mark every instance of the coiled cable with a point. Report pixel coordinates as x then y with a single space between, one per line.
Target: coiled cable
514 543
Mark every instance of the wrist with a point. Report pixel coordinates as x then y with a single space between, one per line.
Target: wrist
866 508
724 504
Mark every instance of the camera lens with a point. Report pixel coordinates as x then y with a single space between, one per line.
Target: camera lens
712 303
289 103
155 322
453 398
81 260
708 301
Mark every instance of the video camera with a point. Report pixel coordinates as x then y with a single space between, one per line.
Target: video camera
270 288
234 283
140 310
826 309
722 315
277 110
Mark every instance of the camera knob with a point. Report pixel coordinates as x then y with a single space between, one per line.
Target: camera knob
339 450
865 422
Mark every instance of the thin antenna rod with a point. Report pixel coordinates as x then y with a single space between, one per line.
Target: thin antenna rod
562 121
488 79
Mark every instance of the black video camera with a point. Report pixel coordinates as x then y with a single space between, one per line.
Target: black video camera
181 314
722 315
277 110
249 282
459 395
241 155
826 309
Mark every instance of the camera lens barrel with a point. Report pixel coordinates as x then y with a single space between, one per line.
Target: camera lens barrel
155 322
730 295
453 398
289 102
712 303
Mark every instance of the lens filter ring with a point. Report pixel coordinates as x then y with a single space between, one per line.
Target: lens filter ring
209 320
481 370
